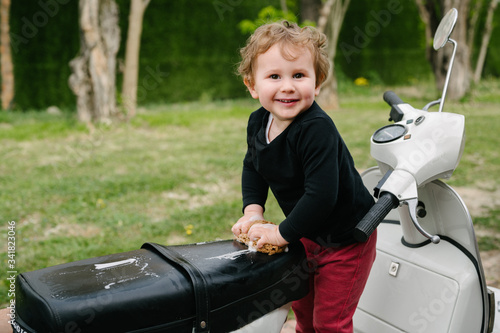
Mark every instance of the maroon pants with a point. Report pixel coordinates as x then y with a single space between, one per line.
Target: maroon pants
338 277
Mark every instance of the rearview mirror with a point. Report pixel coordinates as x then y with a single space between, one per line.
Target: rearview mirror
445 28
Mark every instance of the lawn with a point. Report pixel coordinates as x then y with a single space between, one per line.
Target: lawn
172 174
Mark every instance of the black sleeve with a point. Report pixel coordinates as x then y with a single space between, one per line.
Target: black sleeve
318 145
253 186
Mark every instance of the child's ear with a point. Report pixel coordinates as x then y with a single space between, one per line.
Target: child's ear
317 90
251 88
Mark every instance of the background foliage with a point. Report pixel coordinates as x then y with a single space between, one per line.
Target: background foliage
190 48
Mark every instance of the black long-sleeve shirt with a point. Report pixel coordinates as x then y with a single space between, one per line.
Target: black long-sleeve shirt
312 175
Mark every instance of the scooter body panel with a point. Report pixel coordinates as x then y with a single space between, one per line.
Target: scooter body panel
433 288
425 287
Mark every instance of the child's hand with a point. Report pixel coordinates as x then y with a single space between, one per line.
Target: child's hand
244 223
266 234
252 213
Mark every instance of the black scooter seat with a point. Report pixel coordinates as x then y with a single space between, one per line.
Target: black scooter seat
217 287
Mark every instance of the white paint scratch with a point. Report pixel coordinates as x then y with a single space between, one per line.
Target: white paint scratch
115 264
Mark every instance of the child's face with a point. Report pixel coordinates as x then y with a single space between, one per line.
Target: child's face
284 87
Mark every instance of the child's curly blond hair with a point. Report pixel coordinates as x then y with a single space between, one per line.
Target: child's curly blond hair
288 35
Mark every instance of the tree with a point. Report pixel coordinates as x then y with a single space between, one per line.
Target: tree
309 10
131 70
93 75
330 22
431 12
488 27
7 73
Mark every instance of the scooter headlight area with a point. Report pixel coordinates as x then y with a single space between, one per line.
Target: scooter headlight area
428 145
428 276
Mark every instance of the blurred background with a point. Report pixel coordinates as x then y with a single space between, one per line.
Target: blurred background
189 49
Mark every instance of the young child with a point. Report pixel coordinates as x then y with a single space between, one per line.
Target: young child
295 150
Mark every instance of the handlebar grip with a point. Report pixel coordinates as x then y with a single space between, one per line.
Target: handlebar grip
375 215
392 99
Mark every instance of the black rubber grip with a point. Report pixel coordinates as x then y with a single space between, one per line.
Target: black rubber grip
375 215
392 99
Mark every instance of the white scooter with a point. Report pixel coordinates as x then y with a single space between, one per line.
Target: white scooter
427 276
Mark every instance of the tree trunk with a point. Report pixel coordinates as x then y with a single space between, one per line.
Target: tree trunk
431 13
473 22
284 6
309 10
131 70
324 15
94 69
330 21
6 56
488 27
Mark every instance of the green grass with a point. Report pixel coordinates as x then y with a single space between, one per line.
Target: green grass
76 193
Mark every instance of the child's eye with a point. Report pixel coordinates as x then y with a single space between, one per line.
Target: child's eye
274 76
298 75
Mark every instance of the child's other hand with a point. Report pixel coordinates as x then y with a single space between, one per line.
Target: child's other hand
266 234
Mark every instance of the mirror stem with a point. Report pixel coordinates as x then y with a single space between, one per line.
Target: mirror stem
448 74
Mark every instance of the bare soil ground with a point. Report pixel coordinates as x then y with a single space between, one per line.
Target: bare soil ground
479 202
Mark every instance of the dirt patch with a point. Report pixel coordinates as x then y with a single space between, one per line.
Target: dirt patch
480 202
72 230
491 265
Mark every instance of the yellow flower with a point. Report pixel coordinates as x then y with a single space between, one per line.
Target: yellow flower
189 229
361 81
100 204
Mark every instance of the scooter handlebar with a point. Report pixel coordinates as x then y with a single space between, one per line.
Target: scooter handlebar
386 202
392 99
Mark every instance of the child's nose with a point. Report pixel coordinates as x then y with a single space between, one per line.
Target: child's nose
287 86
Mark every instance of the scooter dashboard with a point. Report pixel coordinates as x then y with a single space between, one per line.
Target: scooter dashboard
389 133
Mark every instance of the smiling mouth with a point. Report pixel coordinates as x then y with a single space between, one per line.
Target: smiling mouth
287 100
